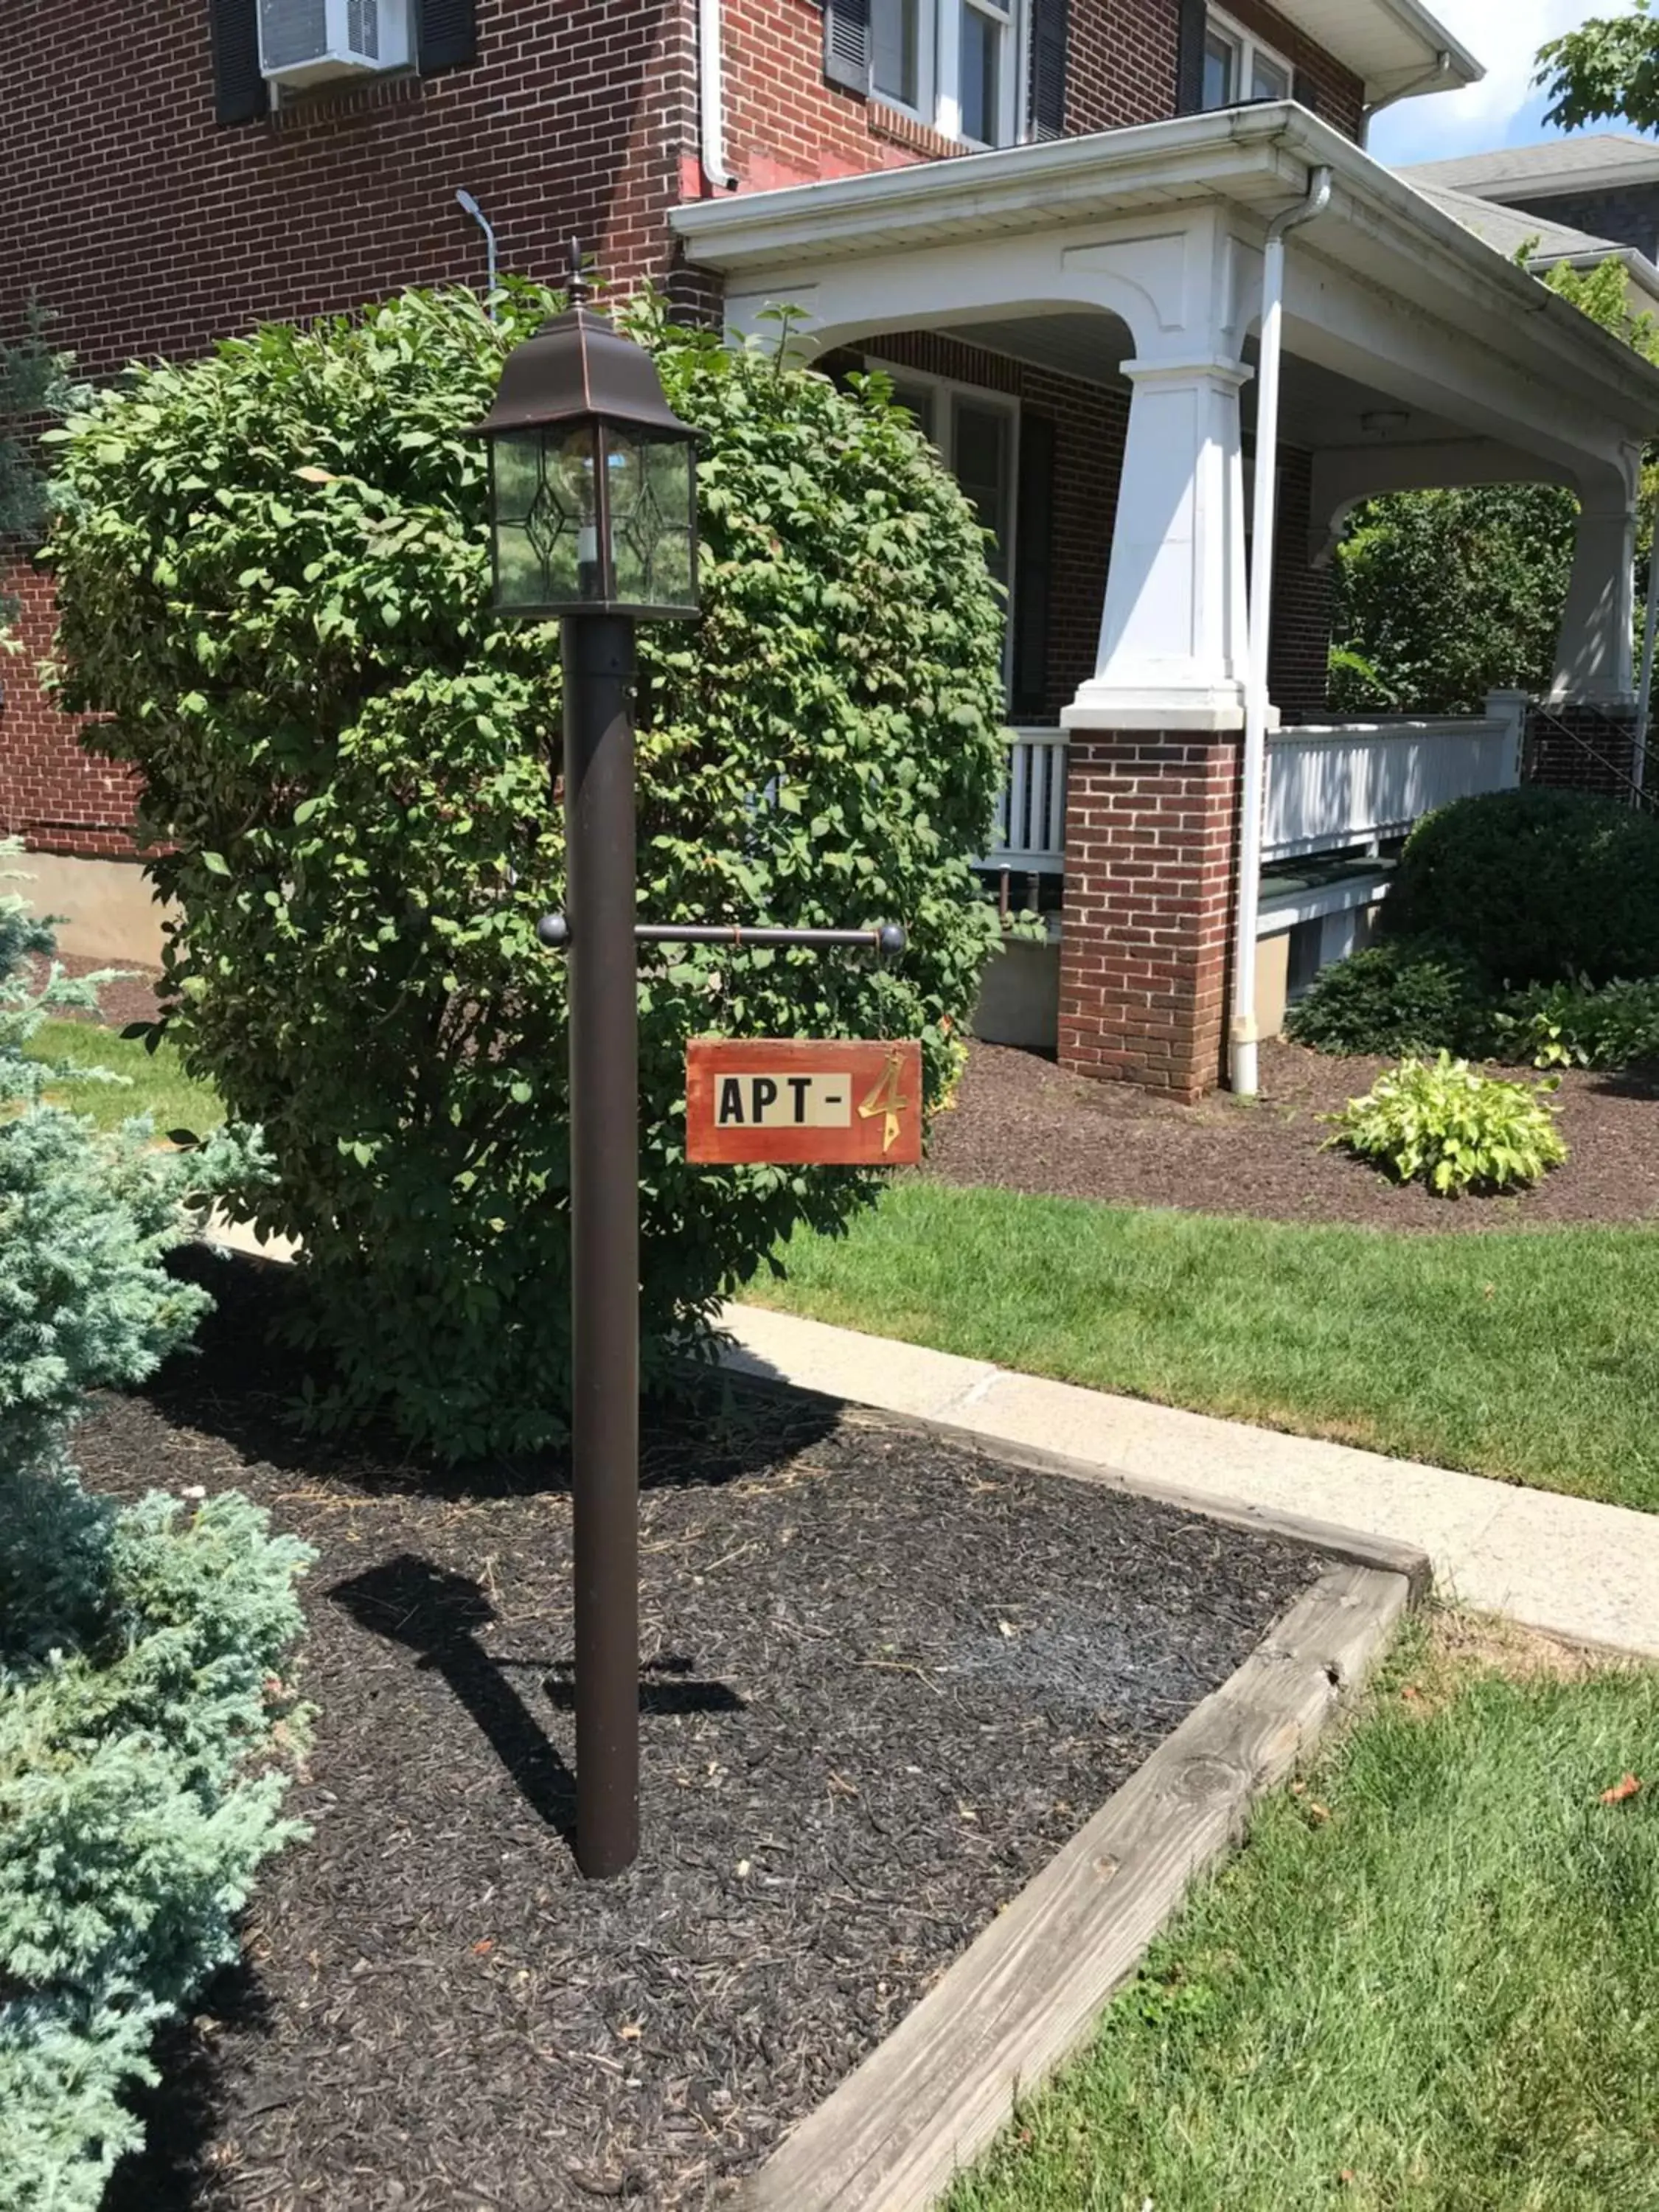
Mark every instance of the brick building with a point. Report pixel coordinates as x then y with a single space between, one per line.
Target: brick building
1046 217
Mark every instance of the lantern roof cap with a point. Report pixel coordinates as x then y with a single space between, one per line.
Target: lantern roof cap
579 365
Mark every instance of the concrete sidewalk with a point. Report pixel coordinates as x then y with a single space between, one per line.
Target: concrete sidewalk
1586 1573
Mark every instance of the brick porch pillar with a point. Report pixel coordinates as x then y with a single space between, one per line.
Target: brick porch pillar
1156 734
1151 830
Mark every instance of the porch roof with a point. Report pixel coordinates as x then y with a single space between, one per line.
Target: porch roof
1379 230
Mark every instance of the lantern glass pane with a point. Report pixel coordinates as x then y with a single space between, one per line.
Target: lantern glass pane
546 541
518 465
673 571
518 567
650 481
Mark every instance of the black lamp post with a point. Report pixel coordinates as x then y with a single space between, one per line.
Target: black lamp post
594 516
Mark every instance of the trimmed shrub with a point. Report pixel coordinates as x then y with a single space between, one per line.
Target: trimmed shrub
1535 886
1445 1124
1575 1025
1403 995
273 573
142 1714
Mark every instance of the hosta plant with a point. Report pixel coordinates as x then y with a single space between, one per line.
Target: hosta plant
1444 1124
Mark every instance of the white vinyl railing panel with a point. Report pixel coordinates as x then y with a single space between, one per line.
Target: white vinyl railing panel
1030 829
1333 786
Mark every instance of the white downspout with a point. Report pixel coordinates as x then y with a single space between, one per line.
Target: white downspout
1644 693
711 98
1253 795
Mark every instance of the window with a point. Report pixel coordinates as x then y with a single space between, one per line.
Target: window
1238 68
896 71
954 65
977 435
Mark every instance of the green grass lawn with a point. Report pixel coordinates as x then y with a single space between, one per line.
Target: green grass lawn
157 1085
1533 1357
1430 1981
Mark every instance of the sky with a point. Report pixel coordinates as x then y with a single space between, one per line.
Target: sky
1502 110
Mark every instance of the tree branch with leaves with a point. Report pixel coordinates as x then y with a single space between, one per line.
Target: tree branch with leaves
1606 71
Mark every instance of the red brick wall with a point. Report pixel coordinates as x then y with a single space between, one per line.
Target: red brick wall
1151 827
65 800
1579 748
152 229
787 126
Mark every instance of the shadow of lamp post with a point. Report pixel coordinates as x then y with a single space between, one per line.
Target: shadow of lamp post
593 512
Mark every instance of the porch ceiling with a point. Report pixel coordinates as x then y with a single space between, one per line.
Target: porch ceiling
1322 407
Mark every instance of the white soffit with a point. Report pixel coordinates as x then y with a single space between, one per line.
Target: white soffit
1392 44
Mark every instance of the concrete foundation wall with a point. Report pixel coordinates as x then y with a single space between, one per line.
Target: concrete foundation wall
1019 998
108 913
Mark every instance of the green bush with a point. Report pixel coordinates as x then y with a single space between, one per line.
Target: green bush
139 1700
273 572
1443 596
1403 995
1576 1025
1452 1128
1535 886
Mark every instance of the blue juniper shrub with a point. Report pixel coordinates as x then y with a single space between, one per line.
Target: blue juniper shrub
143 1715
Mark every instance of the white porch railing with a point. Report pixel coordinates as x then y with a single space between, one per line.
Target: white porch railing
1031 830
1332 786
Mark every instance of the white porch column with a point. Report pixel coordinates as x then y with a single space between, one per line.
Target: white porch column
1173 639
1593 661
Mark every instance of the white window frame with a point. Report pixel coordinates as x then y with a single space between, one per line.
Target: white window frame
1248 49
938 103
946 393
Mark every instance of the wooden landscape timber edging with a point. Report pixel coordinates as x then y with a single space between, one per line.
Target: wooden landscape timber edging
1030 1990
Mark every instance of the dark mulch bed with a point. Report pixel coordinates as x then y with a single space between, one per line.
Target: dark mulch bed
1023 1123
885 1681
131 998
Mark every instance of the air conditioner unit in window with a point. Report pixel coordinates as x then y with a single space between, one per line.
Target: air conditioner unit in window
304 42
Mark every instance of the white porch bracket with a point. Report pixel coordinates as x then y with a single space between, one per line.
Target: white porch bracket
1173 640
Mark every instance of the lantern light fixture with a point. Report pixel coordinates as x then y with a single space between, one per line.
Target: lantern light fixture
593 476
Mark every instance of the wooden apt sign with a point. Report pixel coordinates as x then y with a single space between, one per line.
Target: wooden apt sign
789 1103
